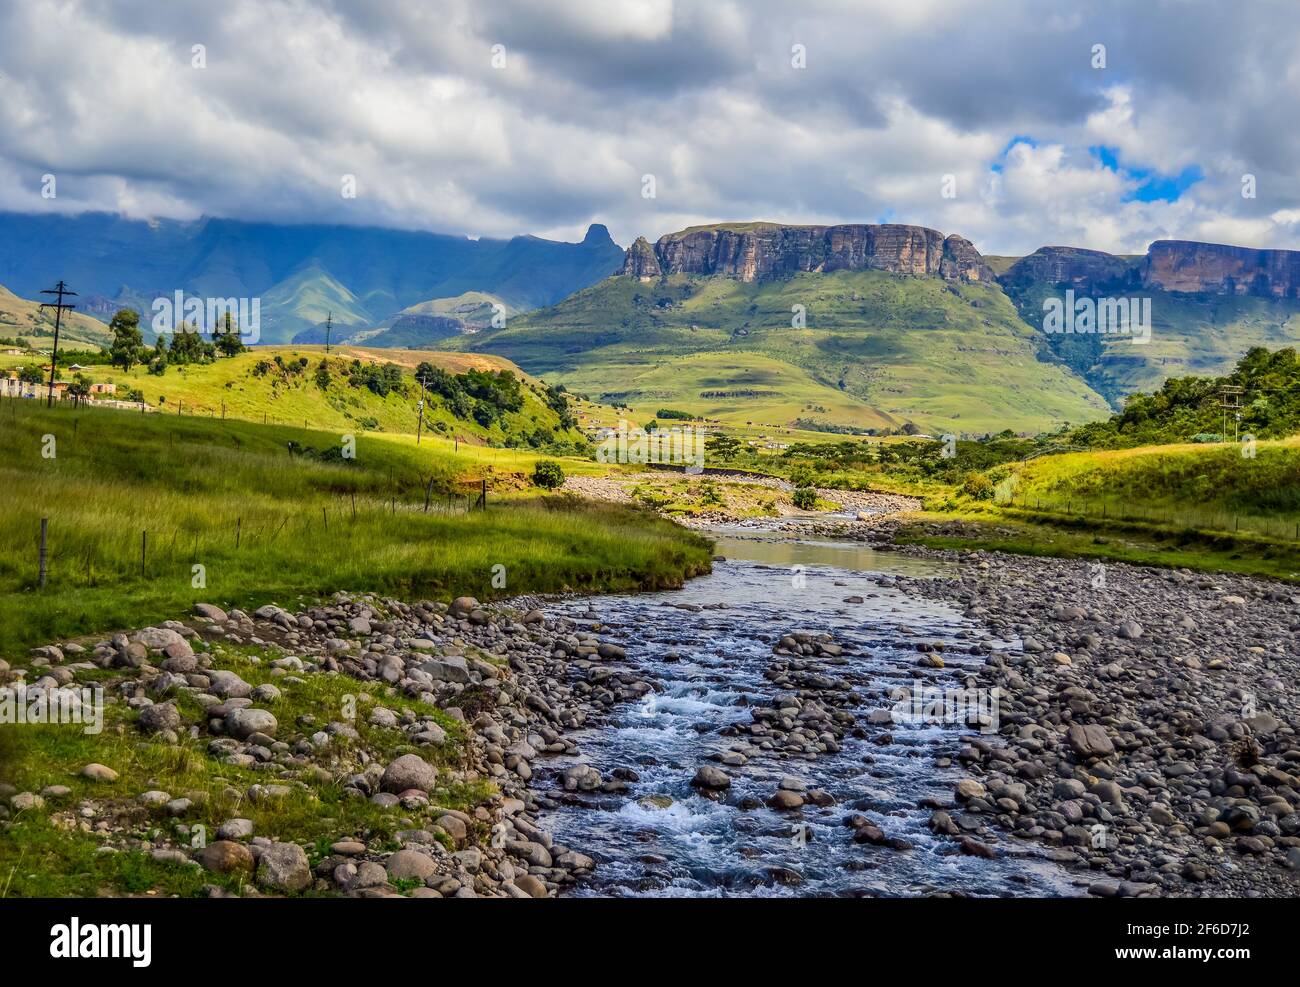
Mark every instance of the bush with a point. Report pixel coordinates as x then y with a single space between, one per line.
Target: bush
801 476
548 474
978 485
805 498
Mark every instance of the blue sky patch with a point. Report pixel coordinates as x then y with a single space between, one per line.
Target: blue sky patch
1151 186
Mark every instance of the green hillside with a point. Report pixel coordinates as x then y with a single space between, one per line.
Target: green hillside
307 298
474 308
270 516
23 318
1191 334
285 385
876 348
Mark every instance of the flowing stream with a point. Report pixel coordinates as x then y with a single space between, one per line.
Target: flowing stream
708 645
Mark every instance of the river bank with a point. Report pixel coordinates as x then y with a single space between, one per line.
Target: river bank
739 736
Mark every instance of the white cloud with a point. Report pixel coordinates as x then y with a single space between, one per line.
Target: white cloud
699 93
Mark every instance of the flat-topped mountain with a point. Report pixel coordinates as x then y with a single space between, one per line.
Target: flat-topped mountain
832 328
1216 268
763 251
1183 266
1210 303
1075 267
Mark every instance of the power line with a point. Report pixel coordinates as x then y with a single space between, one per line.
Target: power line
61 290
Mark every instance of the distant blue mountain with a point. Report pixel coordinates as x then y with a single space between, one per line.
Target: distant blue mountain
363 274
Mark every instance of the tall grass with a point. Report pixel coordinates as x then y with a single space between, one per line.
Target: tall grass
1206 488
135 502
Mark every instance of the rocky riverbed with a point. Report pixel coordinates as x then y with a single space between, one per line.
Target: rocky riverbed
719 498
742 736
1148 721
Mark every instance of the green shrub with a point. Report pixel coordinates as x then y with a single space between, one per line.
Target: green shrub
548 474
805 498
978 486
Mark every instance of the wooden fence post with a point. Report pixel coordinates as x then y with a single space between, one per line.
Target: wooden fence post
44 559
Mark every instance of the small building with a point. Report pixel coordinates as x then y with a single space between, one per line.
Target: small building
103 388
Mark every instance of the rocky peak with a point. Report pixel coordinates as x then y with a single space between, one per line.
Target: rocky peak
597 233
641 260
1081 269
762 251
1216 268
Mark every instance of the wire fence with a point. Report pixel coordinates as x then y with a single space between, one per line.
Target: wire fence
87 558
1280 527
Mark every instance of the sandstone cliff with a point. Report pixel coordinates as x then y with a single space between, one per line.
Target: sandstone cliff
1169 265
761 251
1182 265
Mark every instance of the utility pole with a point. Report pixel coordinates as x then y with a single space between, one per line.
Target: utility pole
1230 400
419 427
329 324
61 290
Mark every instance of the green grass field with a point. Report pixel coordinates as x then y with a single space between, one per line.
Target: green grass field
267 525
1205 507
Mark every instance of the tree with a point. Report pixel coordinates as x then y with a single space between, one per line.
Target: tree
722 446
548 474
227 339
187 346
31 374
80 386
978 486
128 343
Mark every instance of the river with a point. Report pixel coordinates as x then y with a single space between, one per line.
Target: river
708 645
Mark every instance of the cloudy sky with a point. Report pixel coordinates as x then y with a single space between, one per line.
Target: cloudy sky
499 117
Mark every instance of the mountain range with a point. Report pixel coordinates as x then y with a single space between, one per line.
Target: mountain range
880 325
363 275
835 327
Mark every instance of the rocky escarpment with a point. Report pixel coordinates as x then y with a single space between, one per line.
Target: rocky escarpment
763 251
1169 265
1081 269
1216 268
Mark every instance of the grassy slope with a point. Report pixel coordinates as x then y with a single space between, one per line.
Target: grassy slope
198 485
274 398
1212 487
1191 334
1204 507
21 317
888 348
1140 543
305 299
